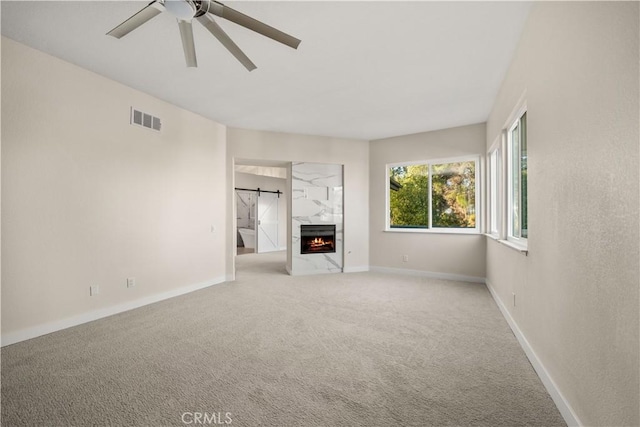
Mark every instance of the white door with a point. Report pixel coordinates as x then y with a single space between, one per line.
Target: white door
267 222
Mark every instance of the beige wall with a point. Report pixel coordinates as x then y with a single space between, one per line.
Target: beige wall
247 180
353 154
89 199
448 254
577 290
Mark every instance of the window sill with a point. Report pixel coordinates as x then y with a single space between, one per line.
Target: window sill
507 243
432 231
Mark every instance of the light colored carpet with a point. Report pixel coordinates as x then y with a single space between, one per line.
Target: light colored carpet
358 349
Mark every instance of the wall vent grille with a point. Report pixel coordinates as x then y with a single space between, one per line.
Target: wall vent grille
139 118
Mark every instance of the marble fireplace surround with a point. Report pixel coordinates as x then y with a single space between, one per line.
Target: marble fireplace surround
316 198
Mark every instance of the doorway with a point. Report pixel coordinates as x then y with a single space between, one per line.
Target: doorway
261 210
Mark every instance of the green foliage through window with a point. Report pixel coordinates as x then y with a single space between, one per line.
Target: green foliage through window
449 197
454 195
410 203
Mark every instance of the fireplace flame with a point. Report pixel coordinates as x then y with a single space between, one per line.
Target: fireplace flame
318 241
317 238
318 244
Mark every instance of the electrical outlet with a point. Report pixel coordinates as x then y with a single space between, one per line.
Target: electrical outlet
94 290
213 228
131 282
514 298
405 258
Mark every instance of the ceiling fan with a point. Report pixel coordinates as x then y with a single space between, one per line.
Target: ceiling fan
202 11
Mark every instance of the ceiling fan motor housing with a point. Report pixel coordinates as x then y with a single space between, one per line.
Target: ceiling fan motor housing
182 9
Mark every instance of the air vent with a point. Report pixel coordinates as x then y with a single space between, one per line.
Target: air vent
146 120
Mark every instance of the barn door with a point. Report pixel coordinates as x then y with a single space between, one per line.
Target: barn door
267 222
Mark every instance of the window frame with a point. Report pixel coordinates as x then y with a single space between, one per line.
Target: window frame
509 209
443 230
495 174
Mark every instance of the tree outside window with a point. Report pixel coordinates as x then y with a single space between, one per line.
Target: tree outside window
453 189
433 195
409 204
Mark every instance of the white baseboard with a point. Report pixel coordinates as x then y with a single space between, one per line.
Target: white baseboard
421 273
565 409
47 328
358 269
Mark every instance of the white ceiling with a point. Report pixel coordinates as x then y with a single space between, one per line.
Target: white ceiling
364 70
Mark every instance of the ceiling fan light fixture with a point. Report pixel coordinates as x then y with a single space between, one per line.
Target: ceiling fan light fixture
182 9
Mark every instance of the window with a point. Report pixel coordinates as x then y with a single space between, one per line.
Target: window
517 227
439 195
409 201
493 197
507 175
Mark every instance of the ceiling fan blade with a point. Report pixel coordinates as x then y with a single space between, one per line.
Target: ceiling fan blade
151 10
239 18
226 41
186 33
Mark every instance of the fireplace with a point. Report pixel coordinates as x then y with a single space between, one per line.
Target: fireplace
317 239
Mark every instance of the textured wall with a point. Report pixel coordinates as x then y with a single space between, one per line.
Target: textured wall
89 199
577 290
453 254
